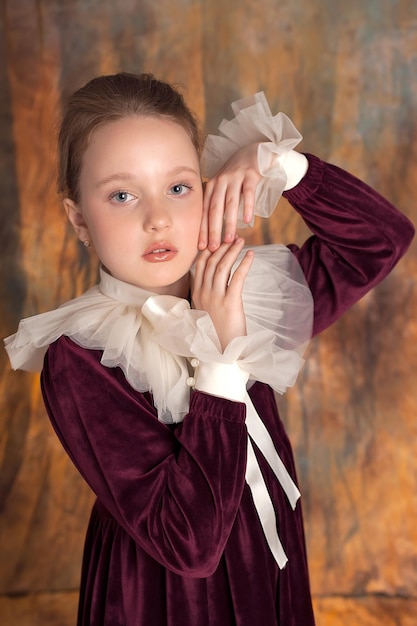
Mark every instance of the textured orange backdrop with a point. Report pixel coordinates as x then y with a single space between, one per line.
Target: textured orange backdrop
345 72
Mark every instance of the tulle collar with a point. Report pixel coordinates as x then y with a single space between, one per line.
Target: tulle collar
152 337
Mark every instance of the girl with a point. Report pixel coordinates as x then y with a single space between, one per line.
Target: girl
195 522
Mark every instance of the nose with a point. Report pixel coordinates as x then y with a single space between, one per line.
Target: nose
157 216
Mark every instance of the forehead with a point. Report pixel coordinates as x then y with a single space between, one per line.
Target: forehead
140 145
141 128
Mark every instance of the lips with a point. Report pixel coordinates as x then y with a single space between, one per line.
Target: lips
160 252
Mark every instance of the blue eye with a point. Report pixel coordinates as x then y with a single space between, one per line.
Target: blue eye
180 189
121 197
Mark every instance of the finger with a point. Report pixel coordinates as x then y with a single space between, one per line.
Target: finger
200 267
220 265
215 214
235 286
202 280
231 209
213 270
203 234
248 195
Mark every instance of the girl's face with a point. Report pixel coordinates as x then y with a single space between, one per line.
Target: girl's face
141 202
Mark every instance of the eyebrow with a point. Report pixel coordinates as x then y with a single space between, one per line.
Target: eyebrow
113 177
126 176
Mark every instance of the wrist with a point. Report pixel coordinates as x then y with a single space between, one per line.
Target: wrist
295 165
225 380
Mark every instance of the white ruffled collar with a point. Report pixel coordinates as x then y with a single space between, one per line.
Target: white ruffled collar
153 337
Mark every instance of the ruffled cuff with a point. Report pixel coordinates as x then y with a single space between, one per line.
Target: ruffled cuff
253 123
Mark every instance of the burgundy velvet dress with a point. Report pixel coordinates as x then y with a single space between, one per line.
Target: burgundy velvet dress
174 537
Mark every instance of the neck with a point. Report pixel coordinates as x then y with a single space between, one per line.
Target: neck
181 288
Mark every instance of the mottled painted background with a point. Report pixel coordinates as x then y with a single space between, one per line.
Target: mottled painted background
345 72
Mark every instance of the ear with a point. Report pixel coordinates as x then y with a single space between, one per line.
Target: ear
77 220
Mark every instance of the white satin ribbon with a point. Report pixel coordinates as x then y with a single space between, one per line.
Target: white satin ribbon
264 507
259 433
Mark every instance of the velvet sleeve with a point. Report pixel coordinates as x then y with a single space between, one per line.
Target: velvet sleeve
175 491
358 237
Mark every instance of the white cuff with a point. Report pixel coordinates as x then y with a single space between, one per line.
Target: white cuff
295 166
226 380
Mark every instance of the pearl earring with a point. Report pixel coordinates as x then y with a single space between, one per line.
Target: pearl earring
86 243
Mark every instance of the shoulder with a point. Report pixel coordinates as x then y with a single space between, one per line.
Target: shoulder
72 369
66 358
66 348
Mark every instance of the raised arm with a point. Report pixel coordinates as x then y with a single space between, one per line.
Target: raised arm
358 238
358 235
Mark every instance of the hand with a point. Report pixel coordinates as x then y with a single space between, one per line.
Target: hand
238 178
220 296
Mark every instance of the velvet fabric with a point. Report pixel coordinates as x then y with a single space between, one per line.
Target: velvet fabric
174 538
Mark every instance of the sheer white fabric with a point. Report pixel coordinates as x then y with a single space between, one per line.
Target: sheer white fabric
254 122
153 338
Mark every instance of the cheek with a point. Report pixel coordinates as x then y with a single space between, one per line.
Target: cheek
108 236
198 210
194 223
